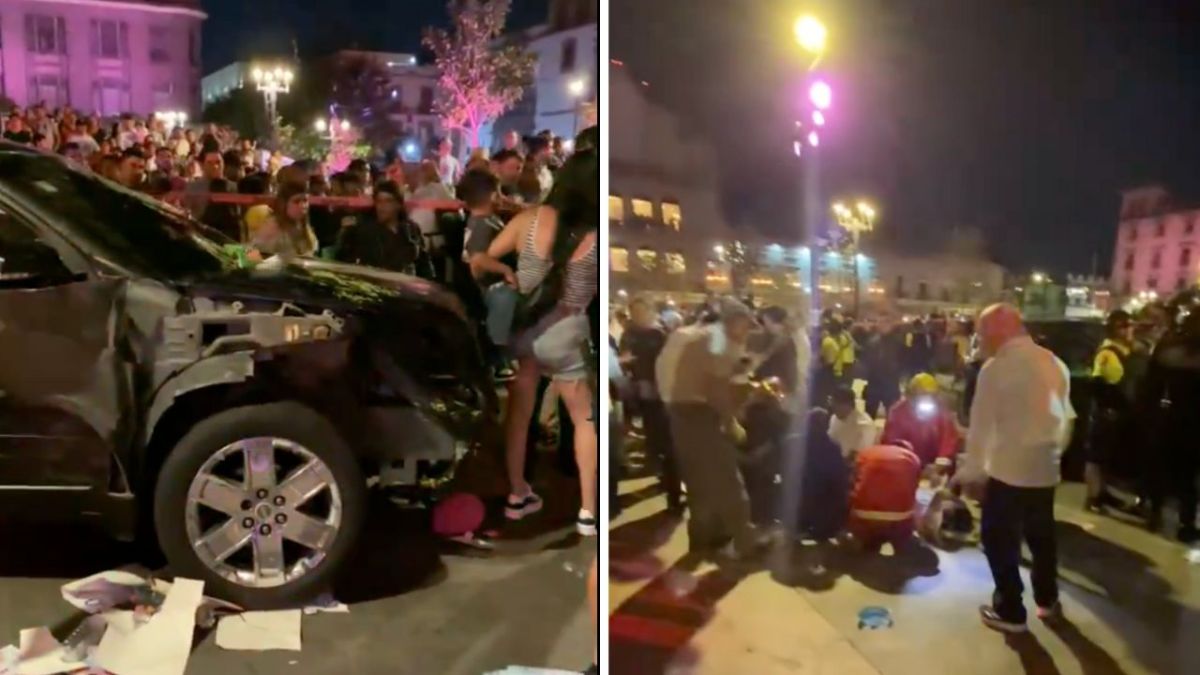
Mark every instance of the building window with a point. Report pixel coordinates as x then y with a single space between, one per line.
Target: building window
1133 232
648 259
164 96
160 44
425 106
1189 227
618 259
110 39
194 47
676 263
672 216
568 55
945 294
922 291
1156 259
1160 228
49 89
1185 257
45 34
616 208
1129 257
643 208
1181 284
1152 284
111 97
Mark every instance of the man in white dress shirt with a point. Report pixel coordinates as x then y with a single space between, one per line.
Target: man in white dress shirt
1021 421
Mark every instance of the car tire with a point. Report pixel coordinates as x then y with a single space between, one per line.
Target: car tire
291 422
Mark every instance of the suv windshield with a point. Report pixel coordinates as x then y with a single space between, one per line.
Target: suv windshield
134 231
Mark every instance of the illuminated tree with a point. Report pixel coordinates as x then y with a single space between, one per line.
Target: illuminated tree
480 79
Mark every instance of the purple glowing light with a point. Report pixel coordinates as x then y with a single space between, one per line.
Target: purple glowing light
818 118
820 94
813 139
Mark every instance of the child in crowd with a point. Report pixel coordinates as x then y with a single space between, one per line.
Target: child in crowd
497 278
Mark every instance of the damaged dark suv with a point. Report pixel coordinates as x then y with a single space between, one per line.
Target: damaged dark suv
154 381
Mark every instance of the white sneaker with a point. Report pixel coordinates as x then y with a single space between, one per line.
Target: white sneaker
585 524
517 508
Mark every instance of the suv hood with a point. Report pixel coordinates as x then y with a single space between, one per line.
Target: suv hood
327 285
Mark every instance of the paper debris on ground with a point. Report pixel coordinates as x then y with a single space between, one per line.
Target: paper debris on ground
326 603
525 670
260 631
103 591
1193 556
38 653
162 645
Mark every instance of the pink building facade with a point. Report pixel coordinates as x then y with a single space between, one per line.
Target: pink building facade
1157 251
103 56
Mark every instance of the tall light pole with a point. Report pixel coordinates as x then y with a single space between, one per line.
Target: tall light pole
272 82
811 35
855 222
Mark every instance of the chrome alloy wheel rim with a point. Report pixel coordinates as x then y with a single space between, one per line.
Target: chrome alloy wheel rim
263 512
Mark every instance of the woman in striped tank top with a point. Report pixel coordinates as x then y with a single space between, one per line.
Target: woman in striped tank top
557 345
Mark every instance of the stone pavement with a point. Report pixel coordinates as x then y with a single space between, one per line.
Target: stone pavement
417 607
1132 600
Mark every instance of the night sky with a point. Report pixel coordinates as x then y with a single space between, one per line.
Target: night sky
1023 120
238 29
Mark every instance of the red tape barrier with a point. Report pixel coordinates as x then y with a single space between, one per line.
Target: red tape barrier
348 202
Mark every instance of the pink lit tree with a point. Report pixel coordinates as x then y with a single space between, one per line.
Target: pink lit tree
480 79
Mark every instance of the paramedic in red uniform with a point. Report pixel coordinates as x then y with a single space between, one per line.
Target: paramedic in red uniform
884 498
924 422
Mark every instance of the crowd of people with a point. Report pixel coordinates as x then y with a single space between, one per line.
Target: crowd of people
758 425
513 232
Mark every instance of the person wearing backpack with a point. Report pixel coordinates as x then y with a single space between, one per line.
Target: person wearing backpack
558 276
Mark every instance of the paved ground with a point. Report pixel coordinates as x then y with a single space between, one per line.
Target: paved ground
1132 598
416 608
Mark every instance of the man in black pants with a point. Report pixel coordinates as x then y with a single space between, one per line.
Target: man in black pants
1012 464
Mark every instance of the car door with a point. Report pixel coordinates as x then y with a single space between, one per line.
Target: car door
59 383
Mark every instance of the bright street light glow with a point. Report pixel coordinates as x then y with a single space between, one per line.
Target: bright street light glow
820 94
866 209
320 125
1038 277
568 144
257 74
818 118
796 147
719 249
577 86
410 148
810 34
345 125
813 139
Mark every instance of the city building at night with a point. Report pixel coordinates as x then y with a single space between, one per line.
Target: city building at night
411 89
221 83
562 96
668 238
103 56
1157 250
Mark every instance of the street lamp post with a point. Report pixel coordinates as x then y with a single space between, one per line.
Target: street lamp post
855 222
272 82
811 35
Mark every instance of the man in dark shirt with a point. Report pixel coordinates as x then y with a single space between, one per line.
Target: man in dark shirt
641 344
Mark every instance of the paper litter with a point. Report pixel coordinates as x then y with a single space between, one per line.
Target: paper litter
162 645
260 631
1193 556
524 670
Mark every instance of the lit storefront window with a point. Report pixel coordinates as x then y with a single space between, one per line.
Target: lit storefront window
672 216
616 208
676 263
618 259
648 258
643 208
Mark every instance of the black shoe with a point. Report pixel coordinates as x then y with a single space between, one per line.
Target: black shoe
1187 534
592 670
994 621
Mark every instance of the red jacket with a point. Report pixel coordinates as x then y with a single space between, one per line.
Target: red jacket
885 485
932 435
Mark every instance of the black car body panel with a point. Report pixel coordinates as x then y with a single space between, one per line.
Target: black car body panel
117 312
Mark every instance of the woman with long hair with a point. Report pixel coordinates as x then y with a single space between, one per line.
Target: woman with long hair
558 257
287 231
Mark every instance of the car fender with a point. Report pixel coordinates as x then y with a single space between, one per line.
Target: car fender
214 371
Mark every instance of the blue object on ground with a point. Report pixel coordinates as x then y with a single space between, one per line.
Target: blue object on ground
874 617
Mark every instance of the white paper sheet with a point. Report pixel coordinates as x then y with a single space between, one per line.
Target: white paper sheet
41 654
260 631
162 645
112 576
